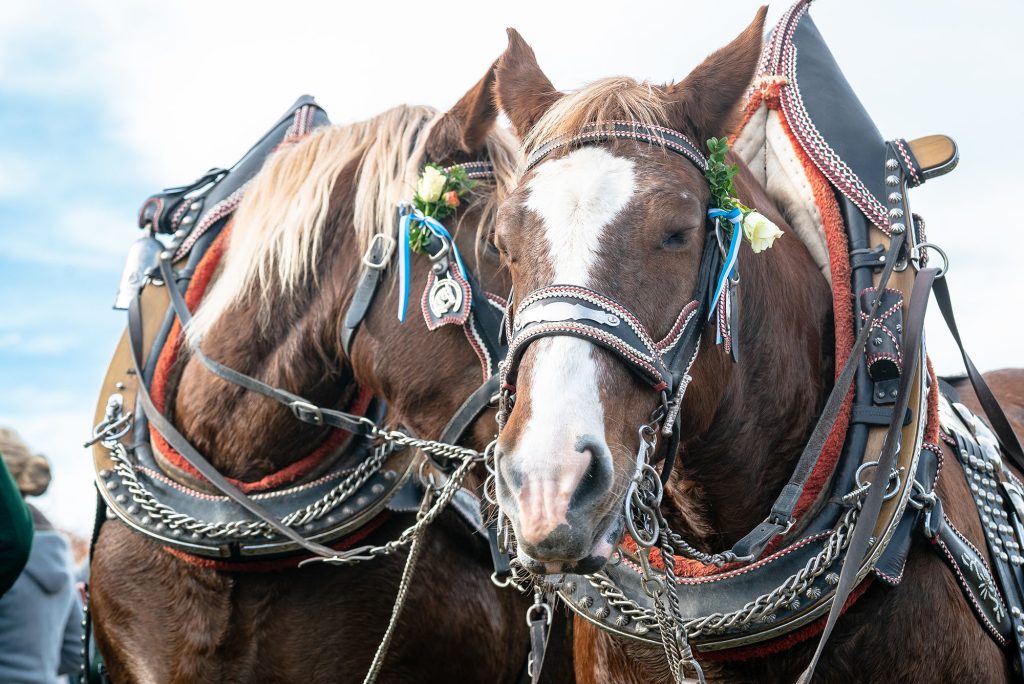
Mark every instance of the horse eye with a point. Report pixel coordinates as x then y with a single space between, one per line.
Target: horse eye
674 239
491 249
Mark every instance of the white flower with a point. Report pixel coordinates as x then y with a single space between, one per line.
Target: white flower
761 232
431 184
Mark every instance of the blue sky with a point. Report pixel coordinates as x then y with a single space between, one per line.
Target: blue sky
67 196
103 103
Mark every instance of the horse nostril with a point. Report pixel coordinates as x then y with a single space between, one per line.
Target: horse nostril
596 480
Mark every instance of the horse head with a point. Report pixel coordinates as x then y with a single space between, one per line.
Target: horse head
290 270
612 232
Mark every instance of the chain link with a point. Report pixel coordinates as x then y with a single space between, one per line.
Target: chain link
754 610
387 440
175 520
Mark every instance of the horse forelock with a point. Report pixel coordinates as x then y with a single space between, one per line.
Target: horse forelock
278 239
618 98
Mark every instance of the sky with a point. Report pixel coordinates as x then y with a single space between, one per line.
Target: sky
103 103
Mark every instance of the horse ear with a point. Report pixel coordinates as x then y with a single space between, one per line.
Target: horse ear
521 89
703 103
465 126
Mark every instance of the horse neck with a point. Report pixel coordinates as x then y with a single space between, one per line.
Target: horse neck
758 411
247 436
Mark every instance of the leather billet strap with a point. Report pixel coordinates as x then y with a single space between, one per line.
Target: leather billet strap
993 411
303 409
871 506
781 517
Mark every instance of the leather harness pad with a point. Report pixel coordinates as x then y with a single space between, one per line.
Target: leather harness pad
845 144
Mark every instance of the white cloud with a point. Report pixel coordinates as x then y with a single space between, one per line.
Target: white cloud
19 175
89 236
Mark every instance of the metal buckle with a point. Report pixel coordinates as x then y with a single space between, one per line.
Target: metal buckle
443 252
387 243
306 412
545 613
889 492
776 519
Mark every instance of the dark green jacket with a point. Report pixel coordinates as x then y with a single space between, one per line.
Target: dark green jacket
15 530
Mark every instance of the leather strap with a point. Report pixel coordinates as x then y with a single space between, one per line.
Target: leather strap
303 409
872 504
673 141
362 299
997 418
474 405
781 517
190 453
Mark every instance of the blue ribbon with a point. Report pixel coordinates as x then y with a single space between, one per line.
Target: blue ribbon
735 217
405 252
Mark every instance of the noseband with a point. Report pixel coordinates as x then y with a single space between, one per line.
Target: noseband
577 311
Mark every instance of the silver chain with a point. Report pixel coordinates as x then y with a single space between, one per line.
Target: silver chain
444 495
649 527
175 520
754 610
403 591
387 441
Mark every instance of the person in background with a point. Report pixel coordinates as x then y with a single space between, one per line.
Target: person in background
15 530
41 615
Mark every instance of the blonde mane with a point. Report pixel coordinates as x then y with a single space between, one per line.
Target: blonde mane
278 232
618 98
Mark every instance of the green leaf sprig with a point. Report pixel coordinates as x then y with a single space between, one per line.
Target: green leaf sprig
720 175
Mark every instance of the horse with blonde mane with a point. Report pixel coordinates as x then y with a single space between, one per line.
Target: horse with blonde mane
290 263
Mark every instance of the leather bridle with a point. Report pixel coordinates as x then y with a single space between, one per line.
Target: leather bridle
662 363
483 325
576 311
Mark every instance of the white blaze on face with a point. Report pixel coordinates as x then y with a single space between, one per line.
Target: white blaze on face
576 198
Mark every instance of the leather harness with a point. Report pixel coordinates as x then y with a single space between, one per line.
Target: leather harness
181 211
888 379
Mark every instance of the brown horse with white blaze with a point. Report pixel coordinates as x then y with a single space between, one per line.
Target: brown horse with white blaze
274 311
627 219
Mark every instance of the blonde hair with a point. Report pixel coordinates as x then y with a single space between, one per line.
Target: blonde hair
31 471
599 103
278 233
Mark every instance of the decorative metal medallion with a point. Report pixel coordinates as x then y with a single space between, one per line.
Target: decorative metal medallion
445 297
